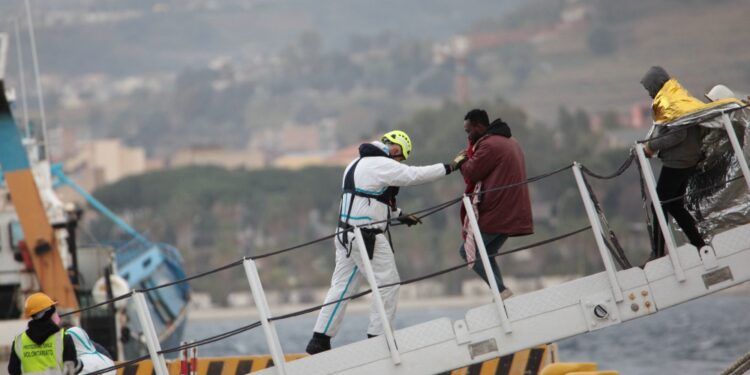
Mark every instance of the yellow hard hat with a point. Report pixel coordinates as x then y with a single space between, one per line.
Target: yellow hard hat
400 138
36 303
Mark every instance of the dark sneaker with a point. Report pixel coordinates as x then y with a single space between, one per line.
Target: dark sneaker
318 343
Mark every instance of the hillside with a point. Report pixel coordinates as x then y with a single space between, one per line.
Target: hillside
701 43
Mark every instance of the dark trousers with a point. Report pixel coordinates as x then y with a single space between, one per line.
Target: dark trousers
492 242
673 184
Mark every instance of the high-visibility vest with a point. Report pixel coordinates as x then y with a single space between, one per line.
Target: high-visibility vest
40 359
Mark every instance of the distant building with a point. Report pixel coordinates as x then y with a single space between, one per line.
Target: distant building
297 146
299 161
105 161
338 158
217 156
294 138
98 163
344 156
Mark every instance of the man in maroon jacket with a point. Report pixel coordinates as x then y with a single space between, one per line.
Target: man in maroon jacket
495 160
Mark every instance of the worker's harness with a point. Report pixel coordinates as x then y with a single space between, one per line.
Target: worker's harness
388 197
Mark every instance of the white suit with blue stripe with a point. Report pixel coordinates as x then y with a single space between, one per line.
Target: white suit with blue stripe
88 356
372 176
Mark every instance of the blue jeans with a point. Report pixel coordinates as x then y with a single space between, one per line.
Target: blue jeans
492 242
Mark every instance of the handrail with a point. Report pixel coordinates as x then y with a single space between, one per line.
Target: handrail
427 212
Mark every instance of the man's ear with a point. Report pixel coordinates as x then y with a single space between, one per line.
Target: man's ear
393 150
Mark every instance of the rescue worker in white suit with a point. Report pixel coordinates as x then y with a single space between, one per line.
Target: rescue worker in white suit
370 185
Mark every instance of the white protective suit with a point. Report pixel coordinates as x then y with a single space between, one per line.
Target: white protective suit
373 175
87 355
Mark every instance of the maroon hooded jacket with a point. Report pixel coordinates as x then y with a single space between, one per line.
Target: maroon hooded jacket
497 161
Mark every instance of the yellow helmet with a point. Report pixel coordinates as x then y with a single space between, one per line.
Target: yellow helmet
36 303
400 138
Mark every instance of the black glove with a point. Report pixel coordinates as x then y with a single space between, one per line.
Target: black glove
409 220
458 160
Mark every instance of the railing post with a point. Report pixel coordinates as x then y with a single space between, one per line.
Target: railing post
596 226
370 275
737 148
152 340
261 304
648 176
504 321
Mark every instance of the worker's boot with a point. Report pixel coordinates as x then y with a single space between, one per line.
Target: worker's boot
318 343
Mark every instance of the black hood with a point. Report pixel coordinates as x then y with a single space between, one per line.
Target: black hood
369 149
40 329
499 127
654 79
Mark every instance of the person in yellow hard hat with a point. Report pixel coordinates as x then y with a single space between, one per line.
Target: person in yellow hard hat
44 348
368 200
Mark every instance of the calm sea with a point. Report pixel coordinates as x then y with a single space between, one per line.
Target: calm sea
700 337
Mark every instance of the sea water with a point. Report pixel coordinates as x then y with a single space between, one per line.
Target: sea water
699 337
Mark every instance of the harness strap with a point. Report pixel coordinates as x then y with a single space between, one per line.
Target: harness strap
388 197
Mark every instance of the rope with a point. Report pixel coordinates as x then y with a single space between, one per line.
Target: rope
530 180
623 167
743 369
130 294
113 300
433 211
740 366
318 307
429 211
434 274
526 247
277 252
212 339
690 125
222 268
426 211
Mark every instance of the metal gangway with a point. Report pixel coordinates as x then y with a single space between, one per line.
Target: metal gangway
502 327
576 307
